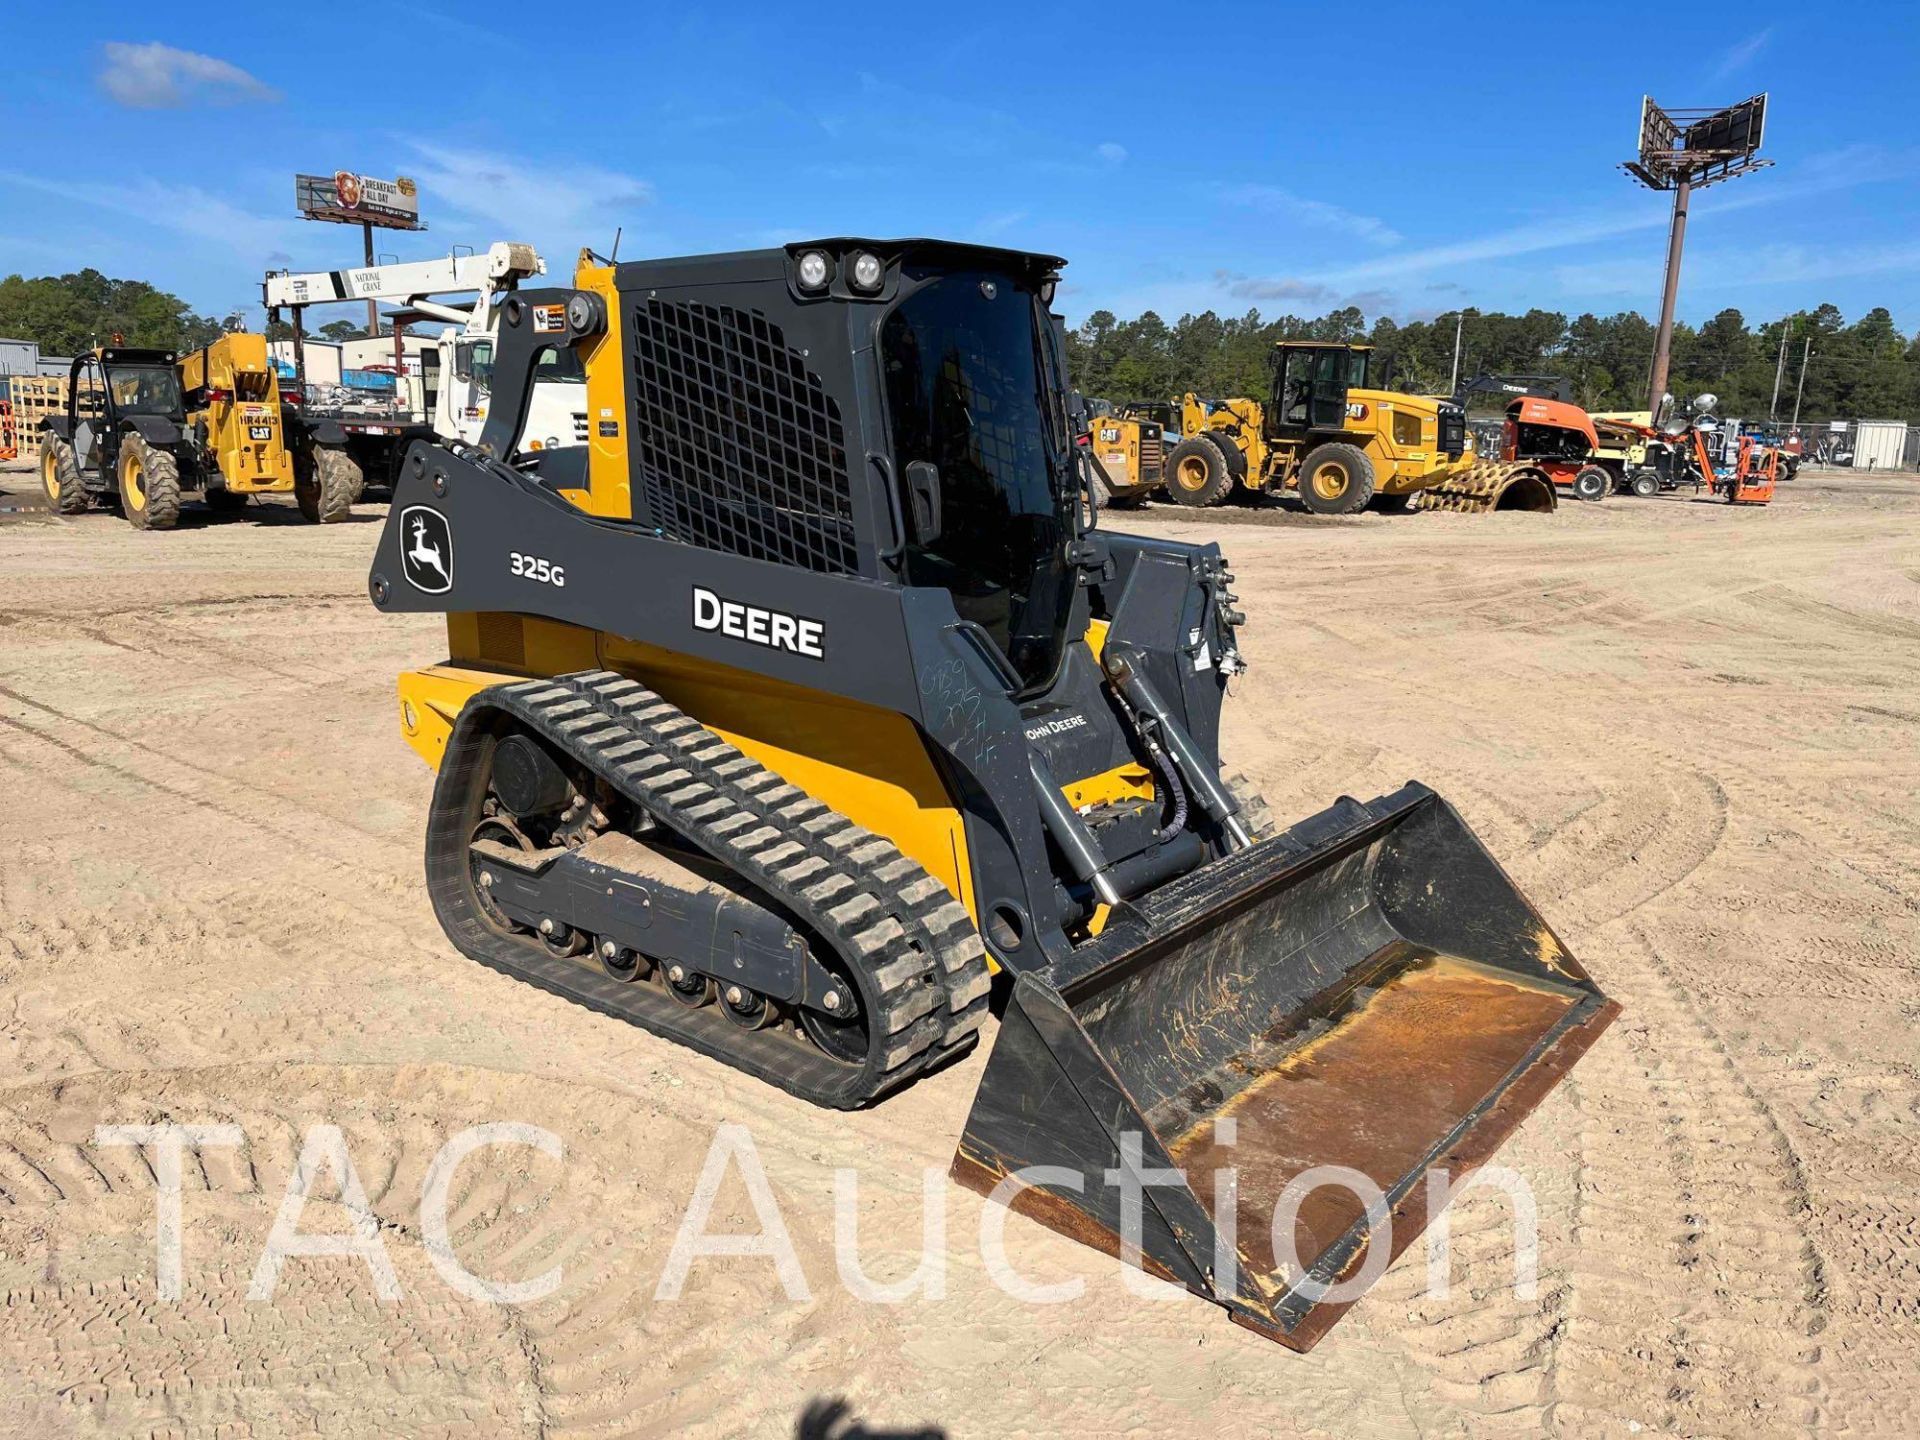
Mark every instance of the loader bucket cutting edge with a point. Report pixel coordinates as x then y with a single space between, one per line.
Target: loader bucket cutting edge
1368 991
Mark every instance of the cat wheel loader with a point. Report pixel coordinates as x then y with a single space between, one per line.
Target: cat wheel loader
807 698
1323 432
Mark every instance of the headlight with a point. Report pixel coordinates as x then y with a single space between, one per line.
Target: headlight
553 442
867 271
1048 287
813 270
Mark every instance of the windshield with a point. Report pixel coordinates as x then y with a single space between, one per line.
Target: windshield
145 389
971 388
559 363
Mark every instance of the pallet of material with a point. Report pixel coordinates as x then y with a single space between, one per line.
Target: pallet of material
34 398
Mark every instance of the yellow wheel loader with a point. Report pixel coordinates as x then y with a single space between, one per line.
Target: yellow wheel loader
234 411
1323 433
807 696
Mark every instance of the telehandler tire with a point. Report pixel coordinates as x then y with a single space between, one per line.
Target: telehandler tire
60 477
149 485
1198 473
1592 483
331 483
1336 479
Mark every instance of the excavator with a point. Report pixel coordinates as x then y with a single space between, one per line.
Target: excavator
812 718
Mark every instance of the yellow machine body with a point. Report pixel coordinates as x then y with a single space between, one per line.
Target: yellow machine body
233 409
1399 433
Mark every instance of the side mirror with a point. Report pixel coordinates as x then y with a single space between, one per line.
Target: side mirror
463 362
923 500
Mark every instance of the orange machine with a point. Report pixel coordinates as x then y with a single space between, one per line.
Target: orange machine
1748 481
1556 440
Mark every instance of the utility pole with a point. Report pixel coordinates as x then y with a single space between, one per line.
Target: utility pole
1779 372
1459 323
1799 390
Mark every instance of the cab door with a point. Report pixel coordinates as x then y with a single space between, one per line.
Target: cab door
1327 403
88 406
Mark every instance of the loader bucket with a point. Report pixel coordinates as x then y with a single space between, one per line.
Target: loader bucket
1367 991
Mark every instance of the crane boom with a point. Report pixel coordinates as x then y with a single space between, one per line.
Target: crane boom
500 266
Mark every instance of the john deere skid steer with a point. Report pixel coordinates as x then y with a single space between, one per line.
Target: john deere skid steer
804 697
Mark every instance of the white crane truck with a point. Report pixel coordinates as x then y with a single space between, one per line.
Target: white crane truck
344 441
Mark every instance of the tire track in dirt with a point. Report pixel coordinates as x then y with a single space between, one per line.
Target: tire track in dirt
1697 1297
231 801
78 1307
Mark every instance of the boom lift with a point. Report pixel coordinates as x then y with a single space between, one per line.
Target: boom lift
820 696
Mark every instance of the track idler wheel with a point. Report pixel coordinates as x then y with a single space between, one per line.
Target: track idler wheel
689 987
619 963
746 1008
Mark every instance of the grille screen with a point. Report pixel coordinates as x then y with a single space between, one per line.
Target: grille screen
738 446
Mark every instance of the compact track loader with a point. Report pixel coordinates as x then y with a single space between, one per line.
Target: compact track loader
805 696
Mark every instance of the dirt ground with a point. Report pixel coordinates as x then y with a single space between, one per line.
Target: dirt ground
1692 734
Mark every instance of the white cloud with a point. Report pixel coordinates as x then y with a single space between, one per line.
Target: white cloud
1320 214
1741 55
181 209
158 77
518 194
1759 265
1245 287
1111 153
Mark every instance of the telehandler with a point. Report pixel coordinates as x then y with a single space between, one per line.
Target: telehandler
121 437
238 422
1323 432
814 697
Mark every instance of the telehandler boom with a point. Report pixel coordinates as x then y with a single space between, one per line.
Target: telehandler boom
813 697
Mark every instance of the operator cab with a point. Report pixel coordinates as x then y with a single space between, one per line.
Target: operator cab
1311 381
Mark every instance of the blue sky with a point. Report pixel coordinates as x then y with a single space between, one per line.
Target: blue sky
1408 159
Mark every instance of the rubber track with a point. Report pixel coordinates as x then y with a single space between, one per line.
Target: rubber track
922 962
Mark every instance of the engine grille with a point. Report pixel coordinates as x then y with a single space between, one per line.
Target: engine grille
580 427
737 444
1152 459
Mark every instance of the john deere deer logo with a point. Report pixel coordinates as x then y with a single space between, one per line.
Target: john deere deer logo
426 555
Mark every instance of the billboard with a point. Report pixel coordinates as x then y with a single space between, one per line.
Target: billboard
1735 130
359 200
1698 146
